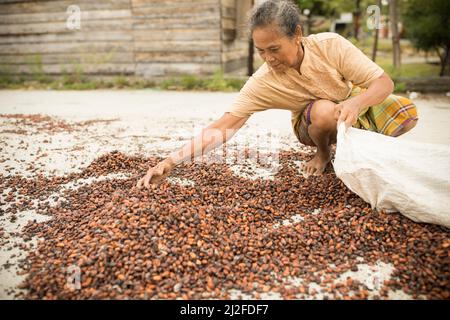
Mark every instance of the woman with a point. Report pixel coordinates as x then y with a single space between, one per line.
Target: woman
323 79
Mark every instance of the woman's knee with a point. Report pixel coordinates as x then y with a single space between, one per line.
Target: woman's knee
405 128
323 115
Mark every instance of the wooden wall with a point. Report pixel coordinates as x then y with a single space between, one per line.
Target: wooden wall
34 36
234 35
176 37
149 38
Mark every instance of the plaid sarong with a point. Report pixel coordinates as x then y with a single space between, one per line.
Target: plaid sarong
386 118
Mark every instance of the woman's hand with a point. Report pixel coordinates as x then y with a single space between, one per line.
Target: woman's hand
223 128
347 112
157 173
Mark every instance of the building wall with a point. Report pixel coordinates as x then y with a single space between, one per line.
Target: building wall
149 38
234 35
176 37
34 37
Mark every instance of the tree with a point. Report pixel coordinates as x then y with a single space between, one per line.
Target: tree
333 8
326 8
304 5
356 19
376 32
428 28
395 35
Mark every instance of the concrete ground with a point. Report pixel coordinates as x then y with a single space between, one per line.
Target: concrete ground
149 123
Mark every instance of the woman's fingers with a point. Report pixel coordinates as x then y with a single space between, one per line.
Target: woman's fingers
349 121
337 111
347 117
342 118
159 170
155 175
347 114
139 183
312 171
147 178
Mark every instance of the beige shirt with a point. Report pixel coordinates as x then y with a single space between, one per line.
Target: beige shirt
331 66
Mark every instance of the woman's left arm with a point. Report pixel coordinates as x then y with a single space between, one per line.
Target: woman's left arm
348 111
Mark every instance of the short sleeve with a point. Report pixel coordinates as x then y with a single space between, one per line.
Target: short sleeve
251 99
353 64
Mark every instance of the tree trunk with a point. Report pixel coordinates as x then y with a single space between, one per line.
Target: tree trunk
251 51
395 35
356 20
445 60
307 25
375 44
375 36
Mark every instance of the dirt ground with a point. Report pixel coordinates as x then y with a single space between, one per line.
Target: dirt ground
146 123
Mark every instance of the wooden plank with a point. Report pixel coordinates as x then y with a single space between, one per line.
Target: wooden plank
52 69
233 55
60 27
92 77
235 45
228 23
229 34
228 3
176 46
61 6
79 36
150 70
177 35
137 4
58 58
176 57
62 16
179 10
176 23
13 1
228 12
233 65
73 47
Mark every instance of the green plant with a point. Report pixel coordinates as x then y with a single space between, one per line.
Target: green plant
121 81
5 77
37 69
427 26
190 82
74 76
168 84
399 87
217 83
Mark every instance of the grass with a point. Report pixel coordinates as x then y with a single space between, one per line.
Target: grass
76 79
406 70
217 83
409 70
385 46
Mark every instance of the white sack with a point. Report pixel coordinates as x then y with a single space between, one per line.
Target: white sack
396 175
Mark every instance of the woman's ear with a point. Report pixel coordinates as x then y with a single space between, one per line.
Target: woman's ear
298 33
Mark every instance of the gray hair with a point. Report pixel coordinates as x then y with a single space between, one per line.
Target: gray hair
284 14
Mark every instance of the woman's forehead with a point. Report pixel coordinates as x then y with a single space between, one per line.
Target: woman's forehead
266 36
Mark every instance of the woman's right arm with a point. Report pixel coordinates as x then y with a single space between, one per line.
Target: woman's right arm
210 138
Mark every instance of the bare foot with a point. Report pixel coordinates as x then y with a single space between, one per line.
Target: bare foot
317 165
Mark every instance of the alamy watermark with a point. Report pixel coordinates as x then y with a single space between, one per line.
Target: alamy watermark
374 19
73 22
74 277
214 146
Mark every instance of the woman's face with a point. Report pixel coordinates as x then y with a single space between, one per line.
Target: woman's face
279 51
